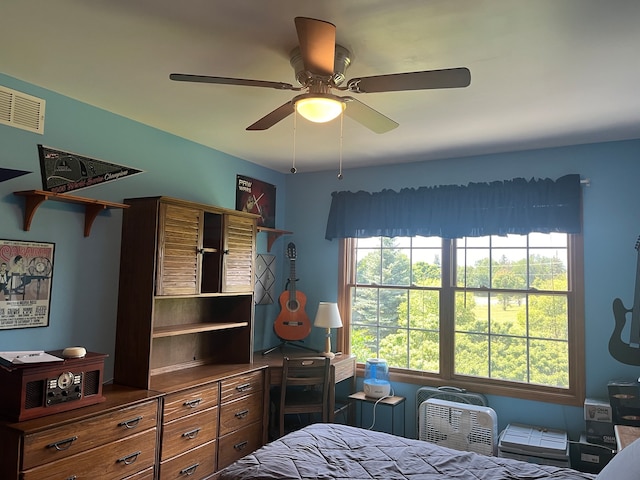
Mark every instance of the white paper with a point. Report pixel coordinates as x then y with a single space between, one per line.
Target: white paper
29 356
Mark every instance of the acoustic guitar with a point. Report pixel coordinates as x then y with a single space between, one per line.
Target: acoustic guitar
292 323
628 353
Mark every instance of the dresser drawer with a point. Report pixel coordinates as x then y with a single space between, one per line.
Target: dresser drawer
239 443
179 404
114 460
147 474
188 432
67 440
241 385
196 463
241 412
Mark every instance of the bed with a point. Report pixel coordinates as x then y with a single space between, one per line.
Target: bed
341 452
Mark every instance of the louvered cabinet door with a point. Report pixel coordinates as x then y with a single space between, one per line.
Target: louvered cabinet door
239 253
178 266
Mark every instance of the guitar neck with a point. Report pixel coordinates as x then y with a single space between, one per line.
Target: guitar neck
292 278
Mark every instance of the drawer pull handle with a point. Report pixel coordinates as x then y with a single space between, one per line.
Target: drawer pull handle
191 434
244 387
242 414
130 423
72 477
241 445
63 444
189 470
192 403
129 459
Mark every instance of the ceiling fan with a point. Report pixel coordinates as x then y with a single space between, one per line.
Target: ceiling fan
320 66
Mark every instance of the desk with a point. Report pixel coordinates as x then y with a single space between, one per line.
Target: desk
392 402
343 367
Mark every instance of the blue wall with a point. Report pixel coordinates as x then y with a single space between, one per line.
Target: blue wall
85 285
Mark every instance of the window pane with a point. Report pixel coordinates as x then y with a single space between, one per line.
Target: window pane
426 269
394 347
473 268
364 306
548 269
424 351
387 264
509 314
368 268
424 310
396 266
509 359
549 363
509 268
472 355
548 317
364 343
391 313
472 312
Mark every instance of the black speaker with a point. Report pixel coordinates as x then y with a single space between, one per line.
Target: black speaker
92 383
34 394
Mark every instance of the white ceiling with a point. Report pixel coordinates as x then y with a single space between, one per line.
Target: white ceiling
544 73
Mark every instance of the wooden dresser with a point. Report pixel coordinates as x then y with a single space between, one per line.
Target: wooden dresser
213 415
115 439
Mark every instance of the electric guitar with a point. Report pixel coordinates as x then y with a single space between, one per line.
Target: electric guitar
628 353
292 322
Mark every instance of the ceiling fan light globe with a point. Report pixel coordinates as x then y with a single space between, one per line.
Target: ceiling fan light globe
319 109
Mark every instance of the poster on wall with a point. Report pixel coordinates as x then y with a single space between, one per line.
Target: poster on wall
255 196
65 171
26 273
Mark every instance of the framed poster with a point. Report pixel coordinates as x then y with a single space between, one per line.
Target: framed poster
258 197
26 273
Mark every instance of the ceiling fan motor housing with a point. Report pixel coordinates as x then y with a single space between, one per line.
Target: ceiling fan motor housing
342 60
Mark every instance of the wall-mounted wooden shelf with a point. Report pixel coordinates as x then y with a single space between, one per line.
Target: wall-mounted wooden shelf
272 235
34 198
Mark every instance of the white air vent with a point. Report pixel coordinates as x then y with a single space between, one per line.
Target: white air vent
20 110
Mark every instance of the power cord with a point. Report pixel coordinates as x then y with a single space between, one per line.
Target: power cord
391 394
610 450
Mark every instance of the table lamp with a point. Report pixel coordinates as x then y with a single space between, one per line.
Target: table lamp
328 317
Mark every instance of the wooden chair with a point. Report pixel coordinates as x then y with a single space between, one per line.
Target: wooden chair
304 388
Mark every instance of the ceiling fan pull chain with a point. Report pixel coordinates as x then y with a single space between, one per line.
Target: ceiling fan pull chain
341 132
293 165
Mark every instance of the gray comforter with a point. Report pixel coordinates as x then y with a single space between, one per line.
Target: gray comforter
333 451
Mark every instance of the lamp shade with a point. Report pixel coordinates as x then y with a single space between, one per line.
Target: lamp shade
328 316
319 109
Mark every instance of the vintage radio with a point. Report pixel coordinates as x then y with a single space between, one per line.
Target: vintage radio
38 389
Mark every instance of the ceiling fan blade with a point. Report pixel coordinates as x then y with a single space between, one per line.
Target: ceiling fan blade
181 77
270 119
367 116
317 40
447 78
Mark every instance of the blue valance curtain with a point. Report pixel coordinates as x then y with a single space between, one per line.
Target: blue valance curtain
513 206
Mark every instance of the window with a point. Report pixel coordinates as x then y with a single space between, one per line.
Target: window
495 314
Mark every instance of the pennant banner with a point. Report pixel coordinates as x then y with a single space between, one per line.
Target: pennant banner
8 174
64 171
